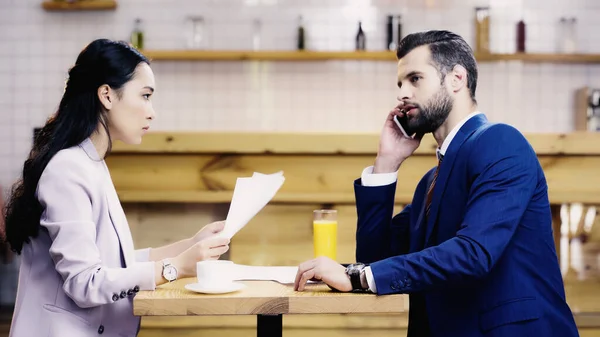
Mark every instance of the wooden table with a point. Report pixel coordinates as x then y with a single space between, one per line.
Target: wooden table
268 300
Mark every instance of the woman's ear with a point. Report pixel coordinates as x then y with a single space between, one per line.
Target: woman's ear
105 94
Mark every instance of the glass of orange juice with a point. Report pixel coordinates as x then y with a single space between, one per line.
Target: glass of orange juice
325 233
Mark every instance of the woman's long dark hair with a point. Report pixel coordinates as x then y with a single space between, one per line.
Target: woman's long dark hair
79 114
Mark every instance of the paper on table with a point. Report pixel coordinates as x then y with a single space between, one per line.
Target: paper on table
250 195
285 275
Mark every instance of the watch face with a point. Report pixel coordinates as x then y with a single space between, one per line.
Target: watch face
355 267
170 273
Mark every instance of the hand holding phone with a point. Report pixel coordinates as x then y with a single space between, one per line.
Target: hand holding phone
397 142
402 123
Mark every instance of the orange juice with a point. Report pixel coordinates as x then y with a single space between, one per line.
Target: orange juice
325 238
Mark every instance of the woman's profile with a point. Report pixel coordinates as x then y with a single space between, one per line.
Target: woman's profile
79 270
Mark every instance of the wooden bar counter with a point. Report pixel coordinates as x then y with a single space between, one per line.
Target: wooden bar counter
268 300
176 182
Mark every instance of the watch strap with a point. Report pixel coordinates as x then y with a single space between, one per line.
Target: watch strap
354 272
167 264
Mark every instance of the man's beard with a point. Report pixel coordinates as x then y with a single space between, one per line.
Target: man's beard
433 114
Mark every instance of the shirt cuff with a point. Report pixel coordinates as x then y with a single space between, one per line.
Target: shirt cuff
368 178
146 273
370 280
142 255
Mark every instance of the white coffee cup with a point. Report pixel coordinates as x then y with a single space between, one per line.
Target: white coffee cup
215 271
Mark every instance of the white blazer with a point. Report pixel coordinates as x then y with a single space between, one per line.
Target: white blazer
78 277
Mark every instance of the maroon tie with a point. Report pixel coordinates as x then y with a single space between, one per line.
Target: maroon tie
430 190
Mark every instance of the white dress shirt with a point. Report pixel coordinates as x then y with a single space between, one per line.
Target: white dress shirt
368 178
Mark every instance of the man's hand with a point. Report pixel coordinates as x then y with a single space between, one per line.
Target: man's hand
394 147
326 270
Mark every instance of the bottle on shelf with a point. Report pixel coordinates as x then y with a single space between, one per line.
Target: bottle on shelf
361 40
137 36
390 44
482 29
195 32
567 35
394 32
398 30
561 36
301 36
572 36
257 27
521 36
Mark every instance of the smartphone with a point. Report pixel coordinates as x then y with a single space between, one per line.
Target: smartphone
403 126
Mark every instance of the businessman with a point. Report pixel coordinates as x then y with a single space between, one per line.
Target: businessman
474 249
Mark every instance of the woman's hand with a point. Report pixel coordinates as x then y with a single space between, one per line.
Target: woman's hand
208 231
175 249
210 248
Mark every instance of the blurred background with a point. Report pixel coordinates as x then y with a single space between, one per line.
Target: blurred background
230 67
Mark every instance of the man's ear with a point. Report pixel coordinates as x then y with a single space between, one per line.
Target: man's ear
106 96
458 78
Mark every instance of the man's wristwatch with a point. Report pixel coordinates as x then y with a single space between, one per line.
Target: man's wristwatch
356 273
169 271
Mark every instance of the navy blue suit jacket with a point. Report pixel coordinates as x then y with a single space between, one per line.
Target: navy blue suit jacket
484 264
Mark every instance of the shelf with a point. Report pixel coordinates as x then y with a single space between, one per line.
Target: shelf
225 55
218 55
81 5
540 58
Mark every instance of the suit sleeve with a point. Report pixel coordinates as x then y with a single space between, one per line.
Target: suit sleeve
65 194
379 235
504 168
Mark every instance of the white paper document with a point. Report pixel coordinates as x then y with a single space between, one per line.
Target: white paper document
250 195
284 274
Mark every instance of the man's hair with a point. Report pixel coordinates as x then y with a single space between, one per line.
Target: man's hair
447 50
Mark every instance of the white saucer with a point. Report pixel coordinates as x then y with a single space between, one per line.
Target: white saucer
215 288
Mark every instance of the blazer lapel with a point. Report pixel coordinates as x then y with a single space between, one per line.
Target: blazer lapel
417 243
446 168
117 217
115 211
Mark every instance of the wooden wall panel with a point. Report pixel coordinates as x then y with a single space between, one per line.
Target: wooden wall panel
175 183
154 225
309 178
281 234
574 143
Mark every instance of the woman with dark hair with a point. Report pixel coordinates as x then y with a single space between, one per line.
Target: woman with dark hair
79 270
5 253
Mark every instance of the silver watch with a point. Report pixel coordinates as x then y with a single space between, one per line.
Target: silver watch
169 271
356 273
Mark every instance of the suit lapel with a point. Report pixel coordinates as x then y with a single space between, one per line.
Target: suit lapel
416 244
446 169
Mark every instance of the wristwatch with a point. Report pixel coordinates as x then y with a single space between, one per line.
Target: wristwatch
169 271
356 273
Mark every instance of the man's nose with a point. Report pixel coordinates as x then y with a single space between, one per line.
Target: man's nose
405 93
